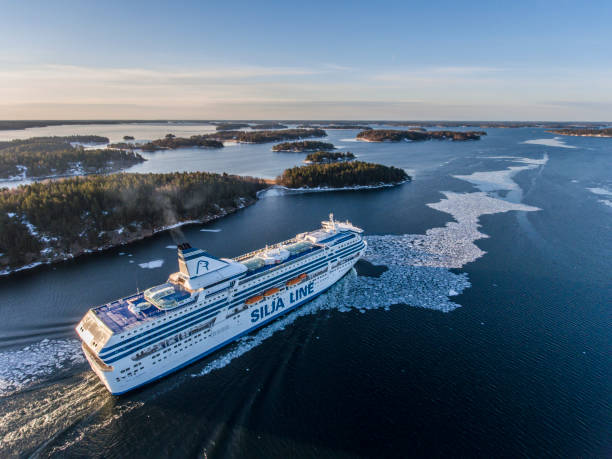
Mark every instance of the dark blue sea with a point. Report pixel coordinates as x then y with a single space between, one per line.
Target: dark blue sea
478 325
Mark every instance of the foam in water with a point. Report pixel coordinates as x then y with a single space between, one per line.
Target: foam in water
554 142
602 192
210 230
172 247
26 366
154 264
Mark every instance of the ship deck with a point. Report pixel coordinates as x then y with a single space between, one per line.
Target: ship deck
118 316
256 265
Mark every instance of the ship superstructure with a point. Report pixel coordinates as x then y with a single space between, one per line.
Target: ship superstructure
211 302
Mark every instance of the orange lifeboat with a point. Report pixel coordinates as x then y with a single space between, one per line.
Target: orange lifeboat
271 291
297 280
254 299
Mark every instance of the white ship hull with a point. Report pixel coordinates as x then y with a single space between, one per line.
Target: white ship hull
211 302
225 331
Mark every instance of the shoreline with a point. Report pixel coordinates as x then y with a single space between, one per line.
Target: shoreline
58 258
323 189
581 135
244 203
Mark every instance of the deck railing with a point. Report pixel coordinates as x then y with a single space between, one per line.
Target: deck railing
255 252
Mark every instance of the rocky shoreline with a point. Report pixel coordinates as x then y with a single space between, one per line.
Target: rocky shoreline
124 237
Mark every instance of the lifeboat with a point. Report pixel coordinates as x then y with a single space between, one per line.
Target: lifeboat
271 291
254 299
295 280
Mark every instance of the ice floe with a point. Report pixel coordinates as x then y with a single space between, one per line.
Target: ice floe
554 142
152 264
28 365
490 181
602 192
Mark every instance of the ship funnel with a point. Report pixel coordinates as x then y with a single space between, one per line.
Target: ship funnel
195 262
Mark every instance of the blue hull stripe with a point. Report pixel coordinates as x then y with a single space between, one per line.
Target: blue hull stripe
163 334
159 327
350 248
275 280
225 343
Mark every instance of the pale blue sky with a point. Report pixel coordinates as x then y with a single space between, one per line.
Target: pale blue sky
348 60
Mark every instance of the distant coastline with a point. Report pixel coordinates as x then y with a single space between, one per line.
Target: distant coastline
606 132
329 124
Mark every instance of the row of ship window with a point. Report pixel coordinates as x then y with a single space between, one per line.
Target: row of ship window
276 273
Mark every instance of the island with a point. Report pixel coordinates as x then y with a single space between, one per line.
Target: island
46 157
266 136
124 145
215 140
231 126
304 145
584 132
342 175
54 220
171 142
392 135
338 126
325 157
269 126
128 137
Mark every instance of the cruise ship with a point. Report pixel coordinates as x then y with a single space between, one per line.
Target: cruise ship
211 302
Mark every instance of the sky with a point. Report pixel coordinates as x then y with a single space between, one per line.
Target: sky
410 60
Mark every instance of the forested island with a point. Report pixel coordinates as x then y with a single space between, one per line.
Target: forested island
584 132
325 157
269 126
128 137
338 126
231 126
58 156
54 220
304 145
341 175
171 142
392 135
215 140
266 136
